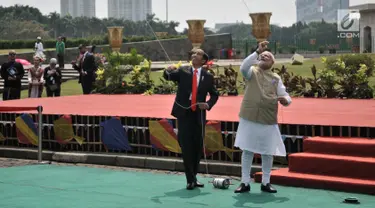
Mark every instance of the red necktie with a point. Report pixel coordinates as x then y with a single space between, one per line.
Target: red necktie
194 91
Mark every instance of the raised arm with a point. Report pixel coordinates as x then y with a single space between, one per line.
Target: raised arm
249 61
172 74
282 93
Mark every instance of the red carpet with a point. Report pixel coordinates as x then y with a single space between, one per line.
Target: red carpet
341 164
340 146
303 111
351 185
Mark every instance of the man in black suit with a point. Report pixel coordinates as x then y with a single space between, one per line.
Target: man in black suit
86 68
12 72
194 83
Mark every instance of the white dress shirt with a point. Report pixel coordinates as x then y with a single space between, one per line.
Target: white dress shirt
198 74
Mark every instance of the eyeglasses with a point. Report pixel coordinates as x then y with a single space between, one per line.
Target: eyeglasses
12 54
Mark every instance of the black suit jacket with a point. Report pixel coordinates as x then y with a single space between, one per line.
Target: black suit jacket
184 78
57 77
88 65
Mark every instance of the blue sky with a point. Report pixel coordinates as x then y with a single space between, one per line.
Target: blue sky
214 11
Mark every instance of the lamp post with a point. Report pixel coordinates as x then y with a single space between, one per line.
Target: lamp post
166 9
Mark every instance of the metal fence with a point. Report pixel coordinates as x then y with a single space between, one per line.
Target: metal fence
289 46
138 135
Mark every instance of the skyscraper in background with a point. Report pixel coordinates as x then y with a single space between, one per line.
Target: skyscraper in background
135 10
316 10
78 8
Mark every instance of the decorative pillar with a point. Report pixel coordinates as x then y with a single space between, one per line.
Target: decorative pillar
196 32
115 35
261 25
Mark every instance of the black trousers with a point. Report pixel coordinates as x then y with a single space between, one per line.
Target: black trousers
60 60
11 93
55 93
87 84
190 138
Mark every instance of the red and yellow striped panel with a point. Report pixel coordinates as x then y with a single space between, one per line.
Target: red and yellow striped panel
163 137
26 130
63 129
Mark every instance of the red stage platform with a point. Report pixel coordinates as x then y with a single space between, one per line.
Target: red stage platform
303 111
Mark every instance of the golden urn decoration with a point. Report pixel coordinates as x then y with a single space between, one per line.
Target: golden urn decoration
196 32
115 37
261 25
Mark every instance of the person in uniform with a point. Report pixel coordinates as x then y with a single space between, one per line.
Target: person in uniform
258 130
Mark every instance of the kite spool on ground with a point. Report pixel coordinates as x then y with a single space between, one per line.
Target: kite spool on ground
221 183
352 200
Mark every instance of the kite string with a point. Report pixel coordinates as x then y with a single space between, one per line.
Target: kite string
203 135
248 9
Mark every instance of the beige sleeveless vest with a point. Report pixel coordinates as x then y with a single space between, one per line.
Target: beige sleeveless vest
260 103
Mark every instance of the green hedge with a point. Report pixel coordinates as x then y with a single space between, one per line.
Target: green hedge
71 43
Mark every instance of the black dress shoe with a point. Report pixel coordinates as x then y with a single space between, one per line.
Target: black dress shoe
268 188
242 188
198 184
190 186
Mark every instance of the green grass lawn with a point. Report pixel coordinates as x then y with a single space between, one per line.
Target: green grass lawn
72 87
24 50
301 70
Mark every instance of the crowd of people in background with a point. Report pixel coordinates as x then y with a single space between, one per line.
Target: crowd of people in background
50 77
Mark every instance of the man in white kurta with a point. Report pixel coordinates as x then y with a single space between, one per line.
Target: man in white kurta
258 131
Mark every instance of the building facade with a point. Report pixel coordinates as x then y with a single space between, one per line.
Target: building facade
78 8
316 10
366 27
135 10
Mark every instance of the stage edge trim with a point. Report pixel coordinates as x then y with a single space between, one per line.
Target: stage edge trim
167 164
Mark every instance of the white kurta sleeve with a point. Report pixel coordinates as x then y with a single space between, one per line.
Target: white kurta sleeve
249 61
281 92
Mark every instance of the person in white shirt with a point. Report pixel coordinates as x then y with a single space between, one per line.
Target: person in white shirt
258 130
39 50
36 79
